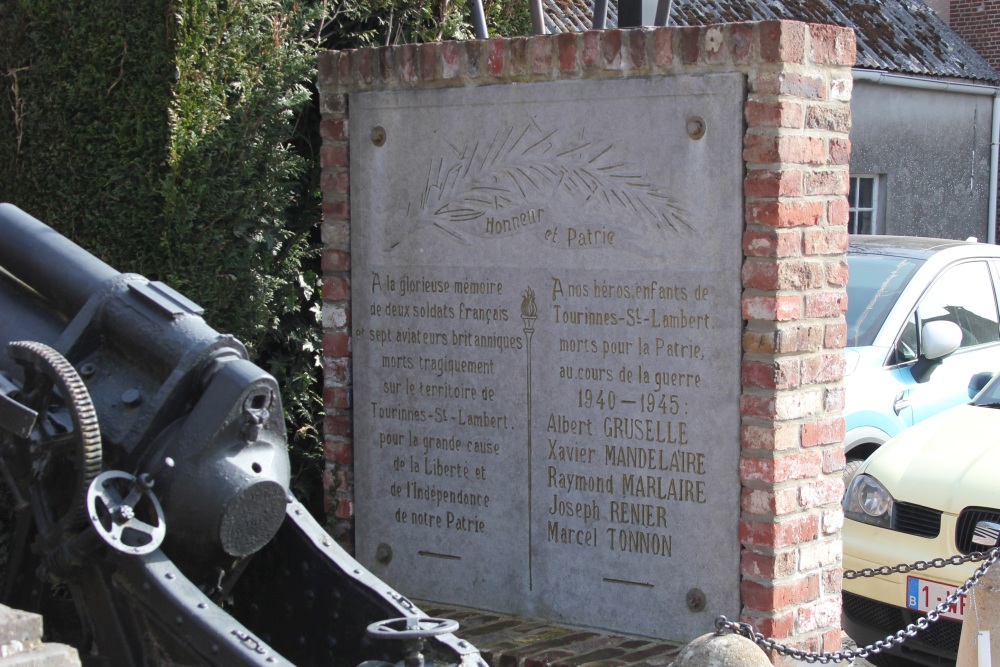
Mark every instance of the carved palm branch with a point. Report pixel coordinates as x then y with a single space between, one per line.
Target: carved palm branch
524 169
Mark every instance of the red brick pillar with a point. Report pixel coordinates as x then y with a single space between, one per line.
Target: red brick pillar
338 446
796 152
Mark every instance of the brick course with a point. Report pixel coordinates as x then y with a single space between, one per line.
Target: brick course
797 151
978 23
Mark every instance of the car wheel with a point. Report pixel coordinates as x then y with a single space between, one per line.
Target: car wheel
850 468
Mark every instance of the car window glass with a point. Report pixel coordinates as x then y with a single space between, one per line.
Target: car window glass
963 294
906 346
874 285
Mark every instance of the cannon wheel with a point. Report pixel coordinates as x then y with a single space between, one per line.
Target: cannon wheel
65 445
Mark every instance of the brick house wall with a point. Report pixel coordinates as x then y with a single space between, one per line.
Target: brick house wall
796 154
978 23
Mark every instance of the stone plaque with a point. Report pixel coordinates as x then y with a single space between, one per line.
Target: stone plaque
546 314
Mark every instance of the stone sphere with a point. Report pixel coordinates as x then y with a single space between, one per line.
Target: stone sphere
726 650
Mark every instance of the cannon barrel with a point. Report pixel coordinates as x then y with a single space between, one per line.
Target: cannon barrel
48 262
149 361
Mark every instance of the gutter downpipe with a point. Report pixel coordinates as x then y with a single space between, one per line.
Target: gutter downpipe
906 81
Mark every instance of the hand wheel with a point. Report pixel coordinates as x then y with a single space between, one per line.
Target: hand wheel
412 627
125 513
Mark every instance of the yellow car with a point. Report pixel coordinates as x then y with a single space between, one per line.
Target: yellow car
931 492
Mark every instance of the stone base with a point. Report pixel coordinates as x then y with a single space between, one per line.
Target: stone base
21 643
509 641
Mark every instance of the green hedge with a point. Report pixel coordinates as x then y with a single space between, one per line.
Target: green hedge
161 136
175 139
355 23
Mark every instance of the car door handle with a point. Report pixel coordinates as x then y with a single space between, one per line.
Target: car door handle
901 403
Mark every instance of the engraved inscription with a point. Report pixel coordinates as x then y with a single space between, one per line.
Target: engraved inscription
617 454
435 407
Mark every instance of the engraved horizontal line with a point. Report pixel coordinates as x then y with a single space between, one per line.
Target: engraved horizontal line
431 554
626 582
628 402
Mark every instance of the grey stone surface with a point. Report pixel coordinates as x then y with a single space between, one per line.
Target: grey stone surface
546 313
19 627
46 655
21 642
728 650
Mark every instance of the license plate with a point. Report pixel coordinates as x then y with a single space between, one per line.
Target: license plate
925 595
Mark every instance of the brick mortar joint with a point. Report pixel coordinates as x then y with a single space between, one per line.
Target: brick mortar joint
771 519
784 167
590 73
768 358
762 130
756 292
780 485
781 392
792 199
777 455
795 577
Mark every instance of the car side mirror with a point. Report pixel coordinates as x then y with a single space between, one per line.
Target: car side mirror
938 339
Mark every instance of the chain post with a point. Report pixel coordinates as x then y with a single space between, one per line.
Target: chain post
989 558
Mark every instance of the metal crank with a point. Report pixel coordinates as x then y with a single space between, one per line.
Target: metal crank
413 630
125 513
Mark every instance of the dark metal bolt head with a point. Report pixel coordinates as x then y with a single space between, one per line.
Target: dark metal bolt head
383 553
696 127
378 135
131 397
695 599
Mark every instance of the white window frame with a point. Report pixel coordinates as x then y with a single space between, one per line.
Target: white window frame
854 208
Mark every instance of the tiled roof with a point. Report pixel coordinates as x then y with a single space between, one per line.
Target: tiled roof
904 36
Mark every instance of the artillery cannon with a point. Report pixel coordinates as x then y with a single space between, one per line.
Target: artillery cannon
145 500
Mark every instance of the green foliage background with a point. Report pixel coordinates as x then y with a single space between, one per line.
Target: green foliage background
178 139
354 23
163 136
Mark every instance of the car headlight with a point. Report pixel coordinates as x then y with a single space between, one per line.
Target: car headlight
867 501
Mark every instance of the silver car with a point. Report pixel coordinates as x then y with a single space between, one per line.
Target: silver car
923 333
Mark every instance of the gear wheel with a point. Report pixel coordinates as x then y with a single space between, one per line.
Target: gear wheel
65 445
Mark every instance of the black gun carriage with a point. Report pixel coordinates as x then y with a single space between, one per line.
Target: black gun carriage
145 505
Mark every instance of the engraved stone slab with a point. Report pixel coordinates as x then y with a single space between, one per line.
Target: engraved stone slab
546 313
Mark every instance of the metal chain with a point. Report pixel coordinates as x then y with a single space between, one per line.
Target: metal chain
922 623
919 566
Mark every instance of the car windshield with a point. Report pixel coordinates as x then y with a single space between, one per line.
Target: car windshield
875 282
